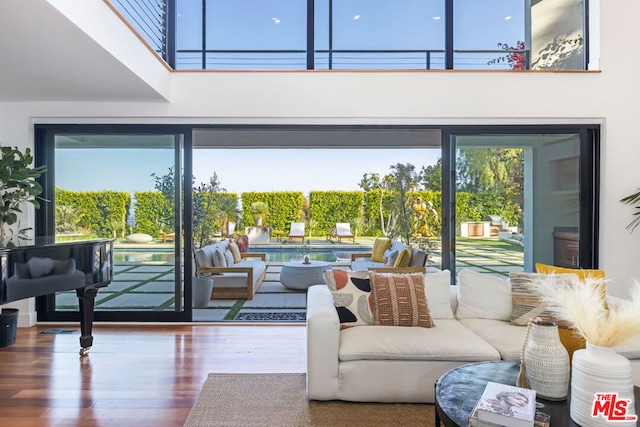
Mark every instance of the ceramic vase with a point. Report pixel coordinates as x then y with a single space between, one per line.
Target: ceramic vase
547 362
600 370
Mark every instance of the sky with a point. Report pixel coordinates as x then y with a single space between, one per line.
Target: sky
237 170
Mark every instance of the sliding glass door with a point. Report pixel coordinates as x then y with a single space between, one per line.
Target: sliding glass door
124 184
521 199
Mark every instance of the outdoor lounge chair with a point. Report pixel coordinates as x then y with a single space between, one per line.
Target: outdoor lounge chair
296 231
343 231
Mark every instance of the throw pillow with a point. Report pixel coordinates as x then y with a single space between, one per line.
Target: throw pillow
219 260
437 286
39 267
64 266
351 291
399 300
235 251
483 296
380 245
228 256
404 258
390 257
527 303
418 258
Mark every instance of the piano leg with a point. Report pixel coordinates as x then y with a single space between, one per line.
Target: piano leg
86 300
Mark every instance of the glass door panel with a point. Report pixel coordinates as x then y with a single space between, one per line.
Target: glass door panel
121 186
516 202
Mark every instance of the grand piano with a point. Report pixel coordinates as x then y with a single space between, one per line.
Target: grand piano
46 267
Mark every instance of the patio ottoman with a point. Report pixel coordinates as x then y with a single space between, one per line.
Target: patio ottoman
297 275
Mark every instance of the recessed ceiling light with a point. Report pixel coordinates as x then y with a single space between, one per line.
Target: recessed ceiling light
275 20
356 17
508 17
436 18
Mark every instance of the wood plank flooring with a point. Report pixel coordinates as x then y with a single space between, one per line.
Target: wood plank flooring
135 375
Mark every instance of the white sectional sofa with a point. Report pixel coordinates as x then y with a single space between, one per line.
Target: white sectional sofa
231 280
402 364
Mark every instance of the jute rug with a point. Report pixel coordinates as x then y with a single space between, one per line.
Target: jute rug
280 400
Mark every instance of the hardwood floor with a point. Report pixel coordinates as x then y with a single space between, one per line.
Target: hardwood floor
135 375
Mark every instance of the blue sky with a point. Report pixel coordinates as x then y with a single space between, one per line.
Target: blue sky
238 170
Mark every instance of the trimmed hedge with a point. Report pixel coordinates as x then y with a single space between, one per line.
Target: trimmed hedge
102 212
329 207
285 207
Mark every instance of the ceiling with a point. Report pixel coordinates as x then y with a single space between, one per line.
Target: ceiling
44 56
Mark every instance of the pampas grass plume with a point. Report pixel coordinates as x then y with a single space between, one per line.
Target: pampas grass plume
581 303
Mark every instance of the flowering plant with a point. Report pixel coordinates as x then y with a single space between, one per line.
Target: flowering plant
581 303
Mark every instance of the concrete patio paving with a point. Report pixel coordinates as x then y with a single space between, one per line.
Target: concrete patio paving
145 286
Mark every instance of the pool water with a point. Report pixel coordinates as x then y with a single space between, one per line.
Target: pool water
315 254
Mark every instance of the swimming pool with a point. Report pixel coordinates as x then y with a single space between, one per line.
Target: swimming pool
274 254
284 254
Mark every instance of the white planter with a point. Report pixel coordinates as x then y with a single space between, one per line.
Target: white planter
202 288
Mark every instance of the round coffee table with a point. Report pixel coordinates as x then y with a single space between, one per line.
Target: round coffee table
296 275
458 390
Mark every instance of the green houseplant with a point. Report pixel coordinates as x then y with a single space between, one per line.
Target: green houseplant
18 185
633 200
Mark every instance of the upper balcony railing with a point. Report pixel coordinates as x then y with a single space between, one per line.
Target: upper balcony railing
168 32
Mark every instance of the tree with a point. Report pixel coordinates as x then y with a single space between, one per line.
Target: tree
259 210
404 181
206 215
371 182
431 176
516 58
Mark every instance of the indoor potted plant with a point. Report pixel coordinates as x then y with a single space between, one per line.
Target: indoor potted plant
634 200
18 185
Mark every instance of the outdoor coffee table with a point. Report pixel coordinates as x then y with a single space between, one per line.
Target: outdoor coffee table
458 390
296 275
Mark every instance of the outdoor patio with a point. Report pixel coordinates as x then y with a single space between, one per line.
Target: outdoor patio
148 285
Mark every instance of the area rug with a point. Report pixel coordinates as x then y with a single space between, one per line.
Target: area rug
280 400
296 316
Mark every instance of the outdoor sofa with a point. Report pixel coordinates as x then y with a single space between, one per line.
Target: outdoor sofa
388 253
402 364
235 274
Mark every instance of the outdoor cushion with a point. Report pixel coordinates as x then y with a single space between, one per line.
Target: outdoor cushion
380 245
404 258
418 258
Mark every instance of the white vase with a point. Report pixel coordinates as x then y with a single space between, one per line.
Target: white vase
599 370
547 362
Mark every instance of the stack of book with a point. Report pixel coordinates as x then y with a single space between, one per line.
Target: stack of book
506 405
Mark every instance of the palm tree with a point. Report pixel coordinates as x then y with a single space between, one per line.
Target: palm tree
259 210
228 211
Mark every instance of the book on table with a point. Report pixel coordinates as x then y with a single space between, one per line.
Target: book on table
507 405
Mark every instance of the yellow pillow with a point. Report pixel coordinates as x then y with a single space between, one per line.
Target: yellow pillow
572 340
404 258
380 245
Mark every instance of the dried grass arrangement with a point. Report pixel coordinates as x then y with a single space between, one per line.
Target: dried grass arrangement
580 302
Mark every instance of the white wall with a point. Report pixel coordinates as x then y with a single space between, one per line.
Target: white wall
608 97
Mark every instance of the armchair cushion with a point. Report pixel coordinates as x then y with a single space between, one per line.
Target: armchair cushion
351 291
390 256
235 251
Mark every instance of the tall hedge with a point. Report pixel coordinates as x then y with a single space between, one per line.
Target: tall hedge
102 212
329 207
284 207
153 212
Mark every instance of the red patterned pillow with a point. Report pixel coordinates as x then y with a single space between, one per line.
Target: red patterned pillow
399 300
351 295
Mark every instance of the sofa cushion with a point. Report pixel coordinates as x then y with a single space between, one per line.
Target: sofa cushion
228 256
418 258
235 251
351 291
390 256
219 260
380 245
437 287
404 258
483 296
364 265
449 341
399 300
506 338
